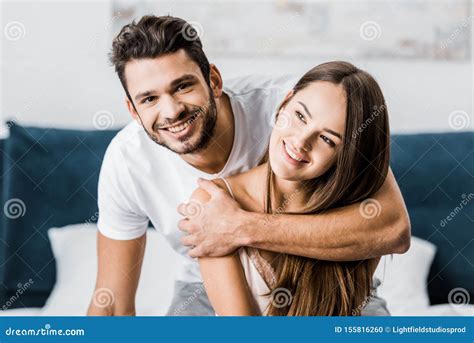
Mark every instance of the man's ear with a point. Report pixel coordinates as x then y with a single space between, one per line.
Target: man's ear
216 81
132 111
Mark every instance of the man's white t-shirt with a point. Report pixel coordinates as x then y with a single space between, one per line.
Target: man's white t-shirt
141 180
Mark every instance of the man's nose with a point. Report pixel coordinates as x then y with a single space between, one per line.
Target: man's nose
169 108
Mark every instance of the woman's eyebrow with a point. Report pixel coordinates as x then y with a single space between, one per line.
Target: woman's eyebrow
333 132
325 129
306 109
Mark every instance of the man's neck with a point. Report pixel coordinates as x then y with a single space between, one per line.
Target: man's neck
214 157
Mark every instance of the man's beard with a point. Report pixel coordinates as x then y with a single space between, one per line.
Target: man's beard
208 114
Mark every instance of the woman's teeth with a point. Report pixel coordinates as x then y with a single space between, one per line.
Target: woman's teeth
181 127
292 155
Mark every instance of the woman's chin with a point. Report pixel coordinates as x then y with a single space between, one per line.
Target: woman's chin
287 175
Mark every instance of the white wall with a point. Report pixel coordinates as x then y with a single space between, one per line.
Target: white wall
58 73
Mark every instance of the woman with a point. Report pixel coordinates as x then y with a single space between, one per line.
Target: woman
329 148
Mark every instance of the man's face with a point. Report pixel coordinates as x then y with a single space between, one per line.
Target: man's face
173 101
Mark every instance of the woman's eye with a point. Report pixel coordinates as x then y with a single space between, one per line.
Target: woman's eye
300 116
327 140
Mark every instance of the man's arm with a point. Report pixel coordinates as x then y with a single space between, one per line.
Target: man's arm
342 234
119 266
354 232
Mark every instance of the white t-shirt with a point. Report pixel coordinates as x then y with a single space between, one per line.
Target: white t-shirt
141 180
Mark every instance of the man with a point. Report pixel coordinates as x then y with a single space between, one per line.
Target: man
186 126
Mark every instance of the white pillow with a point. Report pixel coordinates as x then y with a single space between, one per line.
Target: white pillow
404 279
74 248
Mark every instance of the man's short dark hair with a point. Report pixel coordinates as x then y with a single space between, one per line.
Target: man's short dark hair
156 36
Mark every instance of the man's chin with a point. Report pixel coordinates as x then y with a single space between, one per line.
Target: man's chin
181 147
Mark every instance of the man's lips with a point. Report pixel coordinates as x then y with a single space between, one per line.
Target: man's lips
188 120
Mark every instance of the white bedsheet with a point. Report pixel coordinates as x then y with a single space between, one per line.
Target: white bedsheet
75 250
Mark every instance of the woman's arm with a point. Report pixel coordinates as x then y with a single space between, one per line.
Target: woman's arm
224 278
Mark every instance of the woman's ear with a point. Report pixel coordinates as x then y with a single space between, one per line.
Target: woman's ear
216 81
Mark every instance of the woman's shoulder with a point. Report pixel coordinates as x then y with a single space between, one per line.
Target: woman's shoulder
202 195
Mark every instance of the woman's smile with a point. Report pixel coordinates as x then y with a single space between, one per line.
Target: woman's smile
291 156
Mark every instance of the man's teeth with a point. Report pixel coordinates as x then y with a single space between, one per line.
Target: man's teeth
292 155
181 127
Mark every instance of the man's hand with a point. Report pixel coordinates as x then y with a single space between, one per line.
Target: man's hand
212 220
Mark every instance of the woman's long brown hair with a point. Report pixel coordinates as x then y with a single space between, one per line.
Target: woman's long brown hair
326 288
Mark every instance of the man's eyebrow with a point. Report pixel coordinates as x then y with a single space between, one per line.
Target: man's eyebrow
184 78
173 84
142 95
306 109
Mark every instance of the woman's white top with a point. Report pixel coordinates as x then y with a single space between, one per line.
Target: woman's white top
259 273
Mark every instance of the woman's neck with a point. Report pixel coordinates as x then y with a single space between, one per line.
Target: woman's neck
288 196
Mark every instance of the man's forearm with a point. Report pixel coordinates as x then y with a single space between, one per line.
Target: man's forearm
348 233
337 235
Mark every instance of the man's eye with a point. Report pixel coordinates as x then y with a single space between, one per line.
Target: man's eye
300 116
327 140
149 99
182 86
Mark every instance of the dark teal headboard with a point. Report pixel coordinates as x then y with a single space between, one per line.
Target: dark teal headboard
55 172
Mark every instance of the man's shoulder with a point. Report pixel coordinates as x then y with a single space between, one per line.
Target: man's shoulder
254 83
131 137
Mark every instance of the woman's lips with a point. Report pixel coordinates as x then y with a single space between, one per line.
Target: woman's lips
289 158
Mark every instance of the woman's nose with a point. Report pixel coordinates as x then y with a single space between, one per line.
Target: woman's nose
303 143
302 147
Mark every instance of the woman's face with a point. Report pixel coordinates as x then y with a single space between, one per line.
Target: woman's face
308 132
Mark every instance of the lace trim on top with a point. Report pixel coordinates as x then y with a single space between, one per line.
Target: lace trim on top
263 267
